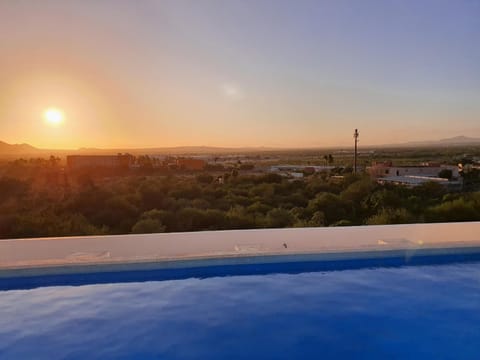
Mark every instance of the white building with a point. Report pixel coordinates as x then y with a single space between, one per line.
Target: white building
379 170
301 168
413 181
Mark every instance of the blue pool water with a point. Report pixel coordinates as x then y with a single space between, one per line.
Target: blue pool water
375 313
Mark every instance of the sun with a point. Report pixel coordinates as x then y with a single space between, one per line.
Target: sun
53 116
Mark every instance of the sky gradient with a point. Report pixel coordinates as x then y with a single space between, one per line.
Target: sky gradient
238 73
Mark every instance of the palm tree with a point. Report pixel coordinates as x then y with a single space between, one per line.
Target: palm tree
330 159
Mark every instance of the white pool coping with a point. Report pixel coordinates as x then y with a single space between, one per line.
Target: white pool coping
344 242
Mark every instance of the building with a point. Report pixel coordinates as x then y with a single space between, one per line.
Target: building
119 161
301 168
387 169
191 164
413 181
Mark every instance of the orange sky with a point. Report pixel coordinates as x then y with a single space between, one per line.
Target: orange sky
175 74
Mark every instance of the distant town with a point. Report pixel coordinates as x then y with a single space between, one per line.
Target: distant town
383 172
120 193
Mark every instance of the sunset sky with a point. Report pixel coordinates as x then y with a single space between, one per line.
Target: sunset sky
238 73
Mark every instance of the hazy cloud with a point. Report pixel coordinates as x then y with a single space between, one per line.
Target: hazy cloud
232 91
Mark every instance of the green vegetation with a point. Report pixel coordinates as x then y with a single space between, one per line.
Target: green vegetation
82 205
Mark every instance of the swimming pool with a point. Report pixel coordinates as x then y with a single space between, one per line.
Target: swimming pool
396 292
426 311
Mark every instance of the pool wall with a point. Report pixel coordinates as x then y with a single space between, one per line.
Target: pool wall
173 253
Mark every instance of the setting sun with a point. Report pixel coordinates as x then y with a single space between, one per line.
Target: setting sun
53 116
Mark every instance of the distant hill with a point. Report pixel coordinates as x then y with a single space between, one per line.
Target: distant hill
453 141
16 149
460 140
177 150
26 150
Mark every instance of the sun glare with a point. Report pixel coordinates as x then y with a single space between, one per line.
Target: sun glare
53 116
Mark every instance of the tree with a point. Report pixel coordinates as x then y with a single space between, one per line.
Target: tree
445 174
258 208
330 159
146 226
163 217
75 225
331 205
279 218
358 190
317 219
53 161
238 218
471 178
85 181
383 198
13 188
215 219
204 178
430 191
246 167
145 162
390 216
343 222
325 157
270 178
152 194
118 214
456 210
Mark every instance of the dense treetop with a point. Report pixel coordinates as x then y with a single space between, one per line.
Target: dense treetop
87 205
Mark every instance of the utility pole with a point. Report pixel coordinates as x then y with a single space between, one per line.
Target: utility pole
355 136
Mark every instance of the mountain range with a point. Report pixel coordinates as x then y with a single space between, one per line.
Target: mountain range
453 141
12 150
